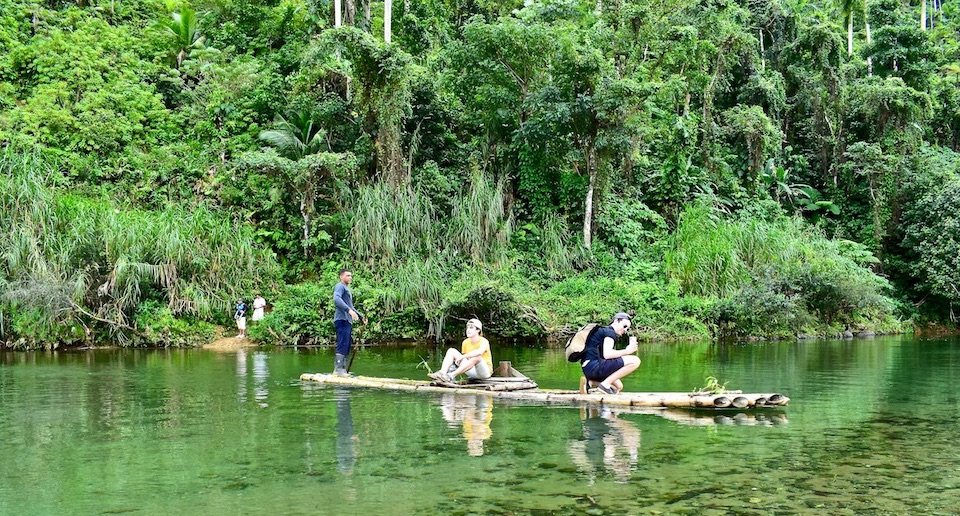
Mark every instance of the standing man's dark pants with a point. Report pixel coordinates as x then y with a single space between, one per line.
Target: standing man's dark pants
344 339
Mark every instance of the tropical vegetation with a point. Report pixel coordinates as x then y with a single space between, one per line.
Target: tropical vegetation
715 167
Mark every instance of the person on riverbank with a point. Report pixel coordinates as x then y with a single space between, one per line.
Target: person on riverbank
473 358
240 315
343 317
603 364
259 303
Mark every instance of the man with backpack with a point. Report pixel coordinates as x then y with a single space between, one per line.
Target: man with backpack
603 365
240 315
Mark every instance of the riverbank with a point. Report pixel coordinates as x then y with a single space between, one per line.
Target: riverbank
230 344
555 341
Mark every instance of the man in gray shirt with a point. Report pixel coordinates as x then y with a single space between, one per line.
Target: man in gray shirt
343 319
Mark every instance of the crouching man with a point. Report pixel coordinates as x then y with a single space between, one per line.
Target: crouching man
603 365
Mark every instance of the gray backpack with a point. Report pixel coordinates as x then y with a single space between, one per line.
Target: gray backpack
576 344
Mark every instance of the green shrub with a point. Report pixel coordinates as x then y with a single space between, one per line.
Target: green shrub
773 275
657 307
934 237
24 327
630 229
764 307
548 250
498 310
160 328
302 314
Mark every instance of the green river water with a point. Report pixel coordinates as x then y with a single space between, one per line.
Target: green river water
871 428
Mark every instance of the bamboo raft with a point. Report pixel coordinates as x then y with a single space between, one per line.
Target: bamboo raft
519 389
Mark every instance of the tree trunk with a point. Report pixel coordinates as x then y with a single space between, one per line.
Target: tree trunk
875 208
348 19
337 9
306 211
389 154
923 14
588 202
306 227
366 12
869 40
387 20
762 60
350 14
706 123
850 33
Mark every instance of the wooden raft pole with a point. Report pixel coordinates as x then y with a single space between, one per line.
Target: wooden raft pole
631 399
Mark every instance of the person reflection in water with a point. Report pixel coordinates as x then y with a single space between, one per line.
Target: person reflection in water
261 377
346 440
474 413
609 444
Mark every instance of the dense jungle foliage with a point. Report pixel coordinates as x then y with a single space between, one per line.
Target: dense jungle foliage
715 167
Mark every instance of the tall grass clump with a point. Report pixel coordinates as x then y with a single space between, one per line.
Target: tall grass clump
78 263
480 225
712 256
417 253
773 274
658 309
548 249
559 249
424 284
390 225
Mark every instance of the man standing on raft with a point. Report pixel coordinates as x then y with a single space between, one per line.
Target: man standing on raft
603 365
343 318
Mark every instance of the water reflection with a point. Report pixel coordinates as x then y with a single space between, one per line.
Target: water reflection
346 438
316 436
242 375
261 376
710 417
872 430
474 413
609 445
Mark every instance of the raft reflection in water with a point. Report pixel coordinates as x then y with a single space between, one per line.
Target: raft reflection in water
473 412
609 444
709 418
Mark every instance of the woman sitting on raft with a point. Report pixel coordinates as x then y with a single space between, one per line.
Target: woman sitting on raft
474 359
